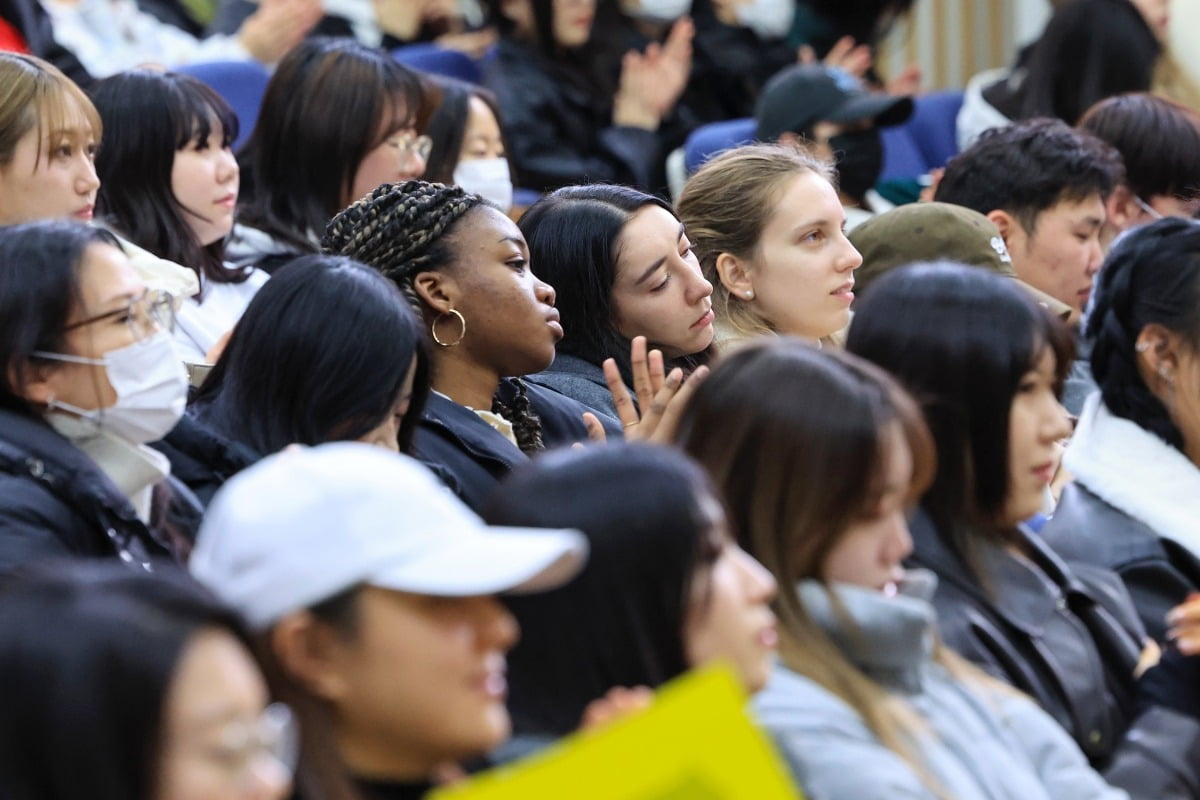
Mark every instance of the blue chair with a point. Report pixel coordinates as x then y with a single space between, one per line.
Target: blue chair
926 141
715 137
428 57
241 83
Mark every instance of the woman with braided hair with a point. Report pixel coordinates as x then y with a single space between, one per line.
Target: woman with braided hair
464 266
1135 504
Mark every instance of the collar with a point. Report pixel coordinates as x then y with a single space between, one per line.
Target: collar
568 364
133 468
496 422
890 638
1025 591
470 431
1161 490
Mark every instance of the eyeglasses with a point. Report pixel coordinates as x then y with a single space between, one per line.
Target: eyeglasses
410 145
272 740
1149 209
146 314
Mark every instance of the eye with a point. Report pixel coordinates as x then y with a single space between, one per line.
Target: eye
518 264
1027 386
666 279
813 236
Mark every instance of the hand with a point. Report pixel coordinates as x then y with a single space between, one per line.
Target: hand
1184 621
652 82
278 26
661 398
400 18
473 43
616 704
927 192
217 349
438 10
853 58
907 83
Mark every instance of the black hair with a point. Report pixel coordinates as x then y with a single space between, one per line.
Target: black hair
960 339
284 379
39 273
1028 167
1159 141
329 103
443 118
90 650
1089 50
1152 276
621 621
405 229
574 236
148 117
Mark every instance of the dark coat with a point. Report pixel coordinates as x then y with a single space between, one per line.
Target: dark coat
55 502
32 22
580 380
202 458
1158 572
1067 635
560 132
472 458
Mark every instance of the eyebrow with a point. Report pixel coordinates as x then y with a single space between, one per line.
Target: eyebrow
650 270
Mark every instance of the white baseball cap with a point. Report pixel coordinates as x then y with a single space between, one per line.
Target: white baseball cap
308 523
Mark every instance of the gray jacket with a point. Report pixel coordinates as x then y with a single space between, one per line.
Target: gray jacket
983 742
1134 508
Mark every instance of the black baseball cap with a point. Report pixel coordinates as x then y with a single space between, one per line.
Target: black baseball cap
798 97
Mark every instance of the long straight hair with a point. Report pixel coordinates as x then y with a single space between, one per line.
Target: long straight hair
796 440
621 621
149 117
283 379
960 339
574 244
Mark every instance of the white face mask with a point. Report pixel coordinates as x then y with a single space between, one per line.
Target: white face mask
151 385
770 19
487 177
661 10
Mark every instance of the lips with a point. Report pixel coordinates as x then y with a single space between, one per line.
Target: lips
85 213
229 200
552 321
845 291
705 319
1044 472
768 637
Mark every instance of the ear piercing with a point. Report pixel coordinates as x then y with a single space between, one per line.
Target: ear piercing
1165 374
1142 347
749 294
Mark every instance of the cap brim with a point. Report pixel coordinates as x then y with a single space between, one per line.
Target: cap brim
1057 307
885 109
503 561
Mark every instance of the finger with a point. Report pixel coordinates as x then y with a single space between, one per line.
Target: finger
595 431
668 424
626 412
652 415
658 370
858 61
639 365
839 50
806 55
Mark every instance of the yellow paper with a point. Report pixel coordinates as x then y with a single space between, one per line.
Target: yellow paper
696 742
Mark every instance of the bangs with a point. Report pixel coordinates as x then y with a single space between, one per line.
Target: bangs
63 109
195 109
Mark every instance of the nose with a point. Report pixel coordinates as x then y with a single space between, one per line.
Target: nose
1057 423
417 163
228 168
698 287
1095 257
760 584
851 258
901 538
87 181
544 292
497 627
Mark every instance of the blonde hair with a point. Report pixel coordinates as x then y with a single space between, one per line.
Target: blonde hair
33 93
726 205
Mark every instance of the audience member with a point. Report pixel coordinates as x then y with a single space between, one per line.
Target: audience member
169 182
622 267
303 163
767 227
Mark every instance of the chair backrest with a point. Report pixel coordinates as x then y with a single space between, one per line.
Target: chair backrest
715 137
428 57
241 83
926 141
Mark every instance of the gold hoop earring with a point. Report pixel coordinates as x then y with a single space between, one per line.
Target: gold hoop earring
461 320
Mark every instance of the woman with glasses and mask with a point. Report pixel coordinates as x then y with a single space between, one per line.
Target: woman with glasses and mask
127 686
88 376
304 163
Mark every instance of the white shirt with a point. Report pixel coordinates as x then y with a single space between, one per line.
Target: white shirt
200 324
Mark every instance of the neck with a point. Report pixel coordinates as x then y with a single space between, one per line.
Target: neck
463 380
383 760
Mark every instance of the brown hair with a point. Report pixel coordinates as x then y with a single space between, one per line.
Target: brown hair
725 207
33 93
795 439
